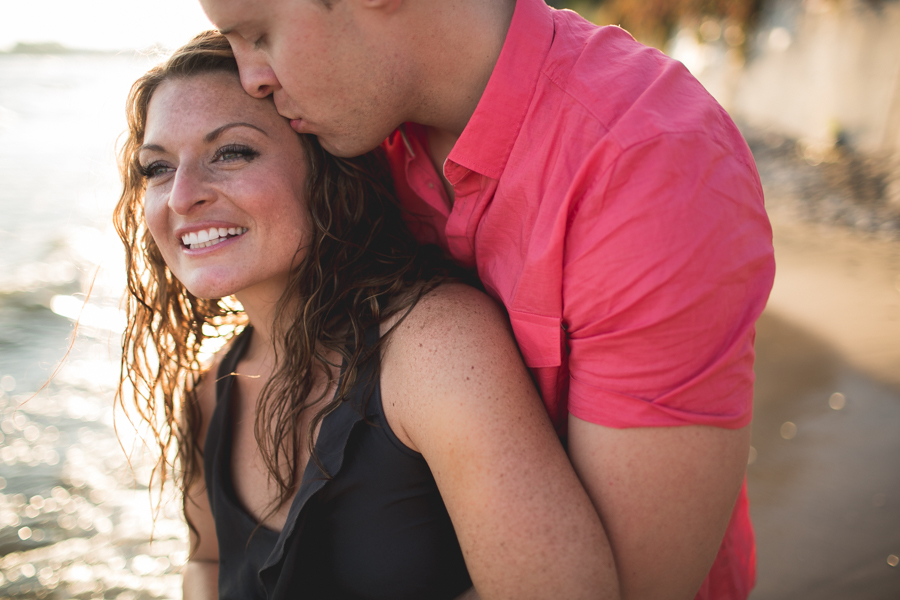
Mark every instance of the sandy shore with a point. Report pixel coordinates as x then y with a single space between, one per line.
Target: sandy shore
824 479
845 288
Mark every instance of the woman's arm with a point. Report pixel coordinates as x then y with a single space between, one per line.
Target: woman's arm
456 390
201 574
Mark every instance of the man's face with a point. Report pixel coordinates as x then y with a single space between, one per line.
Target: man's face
325 67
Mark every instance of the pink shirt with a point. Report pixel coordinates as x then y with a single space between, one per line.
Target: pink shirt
615 210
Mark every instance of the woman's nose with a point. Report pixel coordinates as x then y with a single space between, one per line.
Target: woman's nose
191 188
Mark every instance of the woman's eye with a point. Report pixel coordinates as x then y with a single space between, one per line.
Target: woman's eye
154 169
236 152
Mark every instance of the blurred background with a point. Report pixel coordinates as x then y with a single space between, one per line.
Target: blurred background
814 86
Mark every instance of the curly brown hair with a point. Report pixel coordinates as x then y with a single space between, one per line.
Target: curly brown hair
362 267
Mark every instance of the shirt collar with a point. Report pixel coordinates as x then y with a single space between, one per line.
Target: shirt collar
487 140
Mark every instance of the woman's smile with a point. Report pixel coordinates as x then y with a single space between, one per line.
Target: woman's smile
213 236
225 195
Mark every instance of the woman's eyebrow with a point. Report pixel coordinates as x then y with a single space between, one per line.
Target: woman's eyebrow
151 147
212 135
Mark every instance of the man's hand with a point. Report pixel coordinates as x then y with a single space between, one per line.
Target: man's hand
665 496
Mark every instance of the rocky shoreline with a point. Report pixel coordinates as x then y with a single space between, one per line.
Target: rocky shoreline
827 185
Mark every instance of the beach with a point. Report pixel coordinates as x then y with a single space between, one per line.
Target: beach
823 482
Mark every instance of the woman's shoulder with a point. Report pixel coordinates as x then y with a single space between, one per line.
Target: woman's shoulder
454 347
454 304
451 317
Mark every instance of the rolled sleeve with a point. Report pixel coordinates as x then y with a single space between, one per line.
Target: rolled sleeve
668 263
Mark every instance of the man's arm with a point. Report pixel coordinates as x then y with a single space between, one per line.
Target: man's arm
665 496
455 389
668 265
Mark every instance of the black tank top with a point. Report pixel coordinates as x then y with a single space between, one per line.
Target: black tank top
377 529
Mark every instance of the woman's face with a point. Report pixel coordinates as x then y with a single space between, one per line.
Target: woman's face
225 199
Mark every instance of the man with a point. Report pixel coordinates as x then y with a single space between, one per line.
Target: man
604 198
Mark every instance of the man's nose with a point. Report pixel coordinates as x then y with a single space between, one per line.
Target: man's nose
257 77
191 188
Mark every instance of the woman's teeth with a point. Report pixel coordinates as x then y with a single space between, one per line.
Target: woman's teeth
210 237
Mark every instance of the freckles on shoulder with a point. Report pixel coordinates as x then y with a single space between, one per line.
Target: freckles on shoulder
455 335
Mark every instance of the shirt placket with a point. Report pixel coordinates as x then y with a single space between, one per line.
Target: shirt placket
460 228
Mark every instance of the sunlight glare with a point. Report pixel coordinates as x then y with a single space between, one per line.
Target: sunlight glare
102 24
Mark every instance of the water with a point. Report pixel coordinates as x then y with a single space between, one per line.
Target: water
75 516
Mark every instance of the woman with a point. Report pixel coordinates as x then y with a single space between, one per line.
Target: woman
371 432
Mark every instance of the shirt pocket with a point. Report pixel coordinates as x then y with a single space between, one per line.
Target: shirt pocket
541 339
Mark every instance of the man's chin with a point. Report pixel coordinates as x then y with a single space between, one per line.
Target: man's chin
345 148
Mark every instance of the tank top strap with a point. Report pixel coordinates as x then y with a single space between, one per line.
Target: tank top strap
368 375
373 334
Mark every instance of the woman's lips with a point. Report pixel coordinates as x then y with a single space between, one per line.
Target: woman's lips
205 238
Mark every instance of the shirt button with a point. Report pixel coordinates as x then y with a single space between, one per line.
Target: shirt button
430 185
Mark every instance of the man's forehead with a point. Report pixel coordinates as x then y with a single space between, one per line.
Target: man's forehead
248 9
228 14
